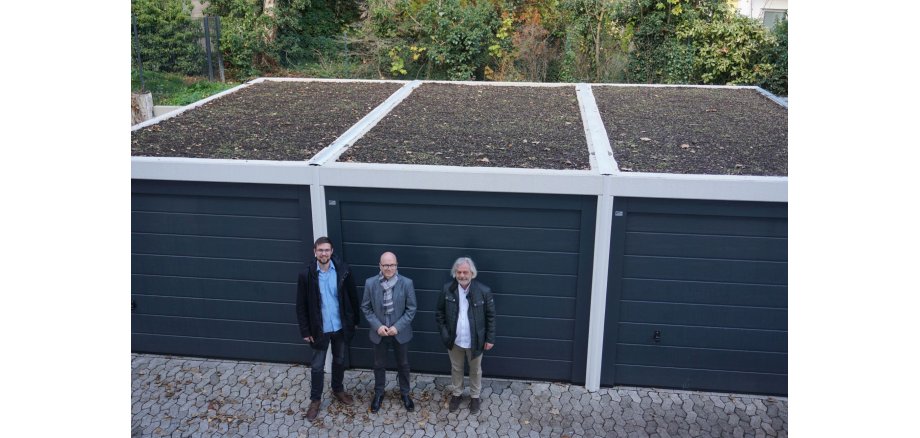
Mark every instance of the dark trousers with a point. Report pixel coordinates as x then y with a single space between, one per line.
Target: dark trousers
380 363
337 339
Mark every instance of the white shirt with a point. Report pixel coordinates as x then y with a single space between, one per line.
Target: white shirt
463 321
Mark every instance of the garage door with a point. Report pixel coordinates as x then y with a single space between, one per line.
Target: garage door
534 251
697 296
214 269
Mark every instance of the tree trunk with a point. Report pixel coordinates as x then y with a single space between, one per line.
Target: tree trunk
268 8
597 47
141 107
262 59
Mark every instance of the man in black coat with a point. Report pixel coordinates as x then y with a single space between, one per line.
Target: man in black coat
327 311
466 318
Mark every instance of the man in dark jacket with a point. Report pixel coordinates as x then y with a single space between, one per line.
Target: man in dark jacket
327 311
466 317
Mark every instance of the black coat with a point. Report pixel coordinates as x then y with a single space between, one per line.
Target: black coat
481 314
309 303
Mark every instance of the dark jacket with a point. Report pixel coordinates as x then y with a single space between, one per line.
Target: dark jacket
481 314
309 303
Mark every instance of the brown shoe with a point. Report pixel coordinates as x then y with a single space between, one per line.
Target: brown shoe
343 397
313 409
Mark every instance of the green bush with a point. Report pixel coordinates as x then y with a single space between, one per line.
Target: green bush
596 45
167 36
310 29
656 53
244 39
453 38
730 49
458 36
778 80
696 41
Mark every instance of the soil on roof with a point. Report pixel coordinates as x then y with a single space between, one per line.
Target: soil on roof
484 126
264 121
715 131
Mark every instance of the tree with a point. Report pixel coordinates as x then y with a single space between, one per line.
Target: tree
596 44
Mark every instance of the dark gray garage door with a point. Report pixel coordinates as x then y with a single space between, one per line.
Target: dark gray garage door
534 251
697 296
214 269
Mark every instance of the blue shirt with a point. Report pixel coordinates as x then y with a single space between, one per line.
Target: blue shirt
329 298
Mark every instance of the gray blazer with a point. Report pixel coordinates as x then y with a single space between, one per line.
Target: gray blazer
404 307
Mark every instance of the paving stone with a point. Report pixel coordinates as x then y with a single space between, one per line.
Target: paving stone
733 419
768 429
261 395
634 396
750 409
777 423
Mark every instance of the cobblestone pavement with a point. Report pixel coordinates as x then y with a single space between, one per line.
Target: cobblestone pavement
190 397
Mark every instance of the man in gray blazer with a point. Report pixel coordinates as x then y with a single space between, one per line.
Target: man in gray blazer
389 306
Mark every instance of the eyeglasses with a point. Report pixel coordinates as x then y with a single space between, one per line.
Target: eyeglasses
323 250
387 266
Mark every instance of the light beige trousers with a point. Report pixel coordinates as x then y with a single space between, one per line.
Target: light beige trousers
457 355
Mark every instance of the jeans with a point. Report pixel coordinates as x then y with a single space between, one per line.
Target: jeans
337 340
380 363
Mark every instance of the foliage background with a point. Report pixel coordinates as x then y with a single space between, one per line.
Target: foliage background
627 41
168 37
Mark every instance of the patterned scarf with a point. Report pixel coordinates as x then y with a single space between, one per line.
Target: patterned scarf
388 292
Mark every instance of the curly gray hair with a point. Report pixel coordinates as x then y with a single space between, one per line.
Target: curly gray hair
460 261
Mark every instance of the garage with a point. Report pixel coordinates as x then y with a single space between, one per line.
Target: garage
214 268
697 296
533 250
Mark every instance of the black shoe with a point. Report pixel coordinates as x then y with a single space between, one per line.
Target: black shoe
474 406
454 403
407 402
375 403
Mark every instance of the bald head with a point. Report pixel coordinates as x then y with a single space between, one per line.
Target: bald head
388 264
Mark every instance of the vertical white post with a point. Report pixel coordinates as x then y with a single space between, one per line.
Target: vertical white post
602 232
599 147
318 205
320 228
